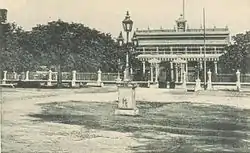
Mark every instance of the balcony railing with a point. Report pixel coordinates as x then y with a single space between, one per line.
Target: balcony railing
153 52
187 30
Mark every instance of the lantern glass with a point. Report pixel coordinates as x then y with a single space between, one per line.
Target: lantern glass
127 26
134 42
120 42
127 23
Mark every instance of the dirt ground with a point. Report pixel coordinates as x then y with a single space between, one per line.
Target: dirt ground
24 132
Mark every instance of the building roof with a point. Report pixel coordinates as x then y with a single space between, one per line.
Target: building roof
187 31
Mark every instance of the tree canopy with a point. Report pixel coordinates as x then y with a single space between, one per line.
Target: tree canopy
237 54
72 45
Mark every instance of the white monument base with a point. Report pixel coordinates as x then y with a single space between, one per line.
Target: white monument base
209 86
197 85
126 100
155 85
128 112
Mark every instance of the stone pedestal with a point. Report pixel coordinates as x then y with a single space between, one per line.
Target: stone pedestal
126 101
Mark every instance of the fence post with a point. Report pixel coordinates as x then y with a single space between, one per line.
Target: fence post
27 76
197 85
209 81
49 78
184 84
238 80
118 80
124 75
4 77
148 83
15 75
99 78
73 82
56 75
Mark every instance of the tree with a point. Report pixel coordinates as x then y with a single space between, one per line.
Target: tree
13 57
237 55
70 45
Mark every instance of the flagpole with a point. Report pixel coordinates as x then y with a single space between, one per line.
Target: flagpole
205 64
183 9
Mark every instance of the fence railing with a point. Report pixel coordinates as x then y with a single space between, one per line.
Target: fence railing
245 78
109 76
224 78
38 76
100 77
86 76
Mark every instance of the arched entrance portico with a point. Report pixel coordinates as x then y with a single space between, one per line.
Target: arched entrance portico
178 66
154 70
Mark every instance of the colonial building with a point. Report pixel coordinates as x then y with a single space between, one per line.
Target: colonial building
171 52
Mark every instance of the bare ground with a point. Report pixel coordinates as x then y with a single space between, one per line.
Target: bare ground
23 132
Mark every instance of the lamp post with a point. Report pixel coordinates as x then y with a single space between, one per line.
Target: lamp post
127 24
120 41
118 69
204 45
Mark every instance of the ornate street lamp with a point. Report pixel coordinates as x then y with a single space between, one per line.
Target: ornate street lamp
134 40
120 39
127 24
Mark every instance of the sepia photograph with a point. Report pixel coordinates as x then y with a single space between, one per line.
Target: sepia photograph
125 76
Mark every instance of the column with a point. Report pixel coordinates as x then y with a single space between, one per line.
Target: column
55 73
151 72
4 77
27 76
176 73
131 71
171 50
184 83
156 72
186 71
172 71
215 67
73 82
49 78
143 67
200 65
182 69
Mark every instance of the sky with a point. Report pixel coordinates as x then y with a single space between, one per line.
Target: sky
106 15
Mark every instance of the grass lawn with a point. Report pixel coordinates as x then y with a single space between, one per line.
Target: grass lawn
161 127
